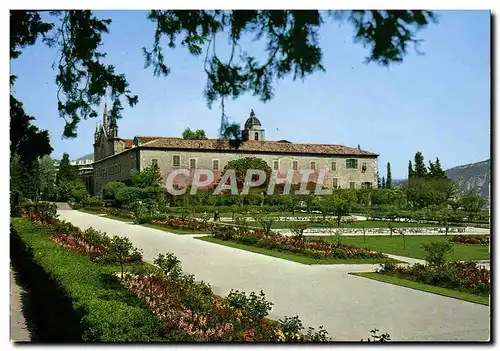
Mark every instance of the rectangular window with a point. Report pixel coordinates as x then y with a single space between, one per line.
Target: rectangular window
363 167
367 185
333 167
276 165
154 162
335 183
351 163
176 160
295 165
352 185
215 165
192 163
313 165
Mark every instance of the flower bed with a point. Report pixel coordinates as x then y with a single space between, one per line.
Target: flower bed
310 248
182 224
188 310
461 276
471 240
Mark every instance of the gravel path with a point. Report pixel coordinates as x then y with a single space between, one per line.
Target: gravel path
18 329
348 306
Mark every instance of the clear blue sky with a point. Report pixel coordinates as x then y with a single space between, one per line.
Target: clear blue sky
438 103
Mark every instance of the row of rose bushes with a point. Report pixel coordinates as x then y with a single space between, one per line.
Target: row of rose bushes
471 239
188 310
462 276
318 249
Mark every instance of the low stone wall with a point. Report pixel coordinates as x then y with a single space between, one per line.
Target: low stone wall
384 231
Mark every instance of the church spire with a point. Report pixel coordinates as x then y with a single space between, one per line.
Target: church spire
105 117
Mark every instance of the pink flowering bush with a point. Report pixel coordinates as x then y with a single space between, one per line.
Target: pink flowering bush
310 248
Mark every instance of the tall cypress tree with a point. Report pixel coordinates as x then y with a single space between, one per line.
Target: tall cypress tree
383 182
438 171
411 174
379 181
420 169
66 170
388 182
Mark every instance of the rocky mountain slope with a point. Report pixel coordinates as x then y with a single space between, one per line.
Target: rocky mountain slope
472 177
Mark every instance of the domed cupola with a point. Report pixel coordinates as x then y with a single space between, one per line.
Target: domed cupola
253 128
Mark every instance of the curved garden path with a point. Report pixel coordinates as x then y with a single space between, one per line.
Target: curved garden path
347 306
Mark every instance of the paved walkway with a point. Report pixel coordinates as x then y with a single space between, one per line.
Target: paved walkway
348 306
18 329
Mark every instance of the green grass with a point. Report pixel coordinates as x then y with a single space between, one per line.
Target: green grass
294 257
394 245
129 220
483 300
170 230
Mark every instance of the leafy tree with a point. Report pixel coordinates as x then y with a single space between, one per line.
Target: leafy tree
73 190
242 165
120 249
435 170
112 188
198 134
48 174
323 204
420 169
27 145
388 182
298 229
472 204
291 37
265 222
410 171
342 202
66 172
149 176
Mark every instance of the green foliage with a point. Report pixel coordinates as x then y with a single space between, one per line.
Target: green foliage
130 194
253 305
41 212
435 253
266 223
148 177
411 173
120 249
74 190
375 337
47 177
298 229
198 134
66 172
388 182
291 38
472 204
420 170
242 165
107 311
342 201
169 264
111 189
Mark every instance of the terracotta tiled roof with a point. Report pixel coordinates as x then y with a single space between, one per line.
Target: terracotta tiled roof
252 146
129 143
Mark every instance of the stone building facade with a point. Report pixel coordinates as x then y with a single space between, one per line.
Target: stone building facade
115 158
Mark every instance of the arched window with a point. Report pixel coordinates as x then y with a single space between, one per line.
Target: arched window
256 135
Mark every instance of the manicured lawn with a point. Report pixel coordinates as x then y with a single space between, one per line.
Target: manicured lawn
484 300
294 257
394 245
170 230
129 220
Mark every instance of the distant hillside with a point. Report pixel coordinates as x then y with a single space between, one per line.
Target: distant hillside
88 156
472 177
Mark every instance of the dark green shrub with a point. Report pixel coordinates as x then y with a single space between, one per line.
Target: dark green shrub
435 253
108 312
253 305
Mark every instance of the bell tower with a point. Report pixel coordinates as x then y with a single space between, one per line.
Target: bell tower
253 128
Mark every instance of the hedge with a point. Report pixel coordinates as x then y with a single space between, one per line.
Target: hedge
104 310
